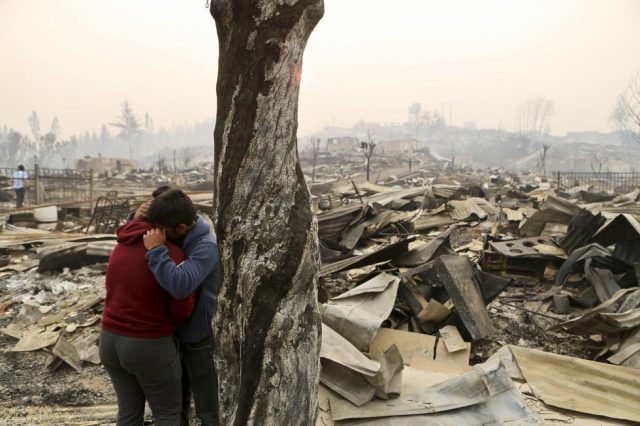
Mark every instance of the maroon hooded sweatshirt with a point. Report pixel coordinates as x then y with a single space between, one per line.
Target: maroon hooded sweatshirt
135 304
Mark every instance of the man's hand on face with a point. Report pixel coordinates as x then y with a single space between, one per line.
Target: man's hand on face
154 237
141 213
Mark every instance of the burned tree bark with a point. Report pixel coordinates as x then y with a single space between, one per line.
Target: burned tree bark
267 323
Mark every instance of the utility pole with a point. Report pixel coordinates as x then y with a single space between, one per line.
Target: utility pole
444 117
175 167
315 146
453 158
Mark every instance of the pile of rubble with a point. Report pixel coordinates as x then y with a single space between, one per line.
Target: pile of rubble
416 282
198 178
46 306
479 298
51 297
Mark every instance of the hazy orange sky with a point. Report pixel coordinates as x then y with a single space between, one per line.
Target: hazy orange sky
366 60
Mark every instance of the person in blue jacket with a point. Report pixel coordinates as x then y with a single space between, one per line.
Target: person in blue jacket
174 217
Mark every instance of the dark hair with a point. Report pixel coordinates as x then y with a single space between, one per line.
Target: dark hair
171 208
21 168
160 190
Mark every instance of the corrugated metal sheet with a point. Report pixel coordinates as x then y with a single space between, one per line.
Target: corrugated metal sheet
579 385
465 209
603 318
385 198
581 228
331 224
622 227
424 223
459 400
381 254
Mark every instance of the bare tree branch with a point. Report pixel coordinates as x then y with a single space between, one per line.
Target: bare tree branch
533 118
626 112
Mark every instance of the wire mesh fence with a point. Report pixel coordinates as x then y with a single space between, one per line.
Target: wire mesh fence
605 182
44 186
109 212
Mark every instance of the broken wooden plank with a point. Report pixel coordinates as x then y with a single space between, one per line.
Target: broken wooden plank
434 312
12 330
87 348
561 303
452 339
459 357
88 302
408 292
66 351
408 343
425 372
457 276
4 306
51 319
324 409
32 341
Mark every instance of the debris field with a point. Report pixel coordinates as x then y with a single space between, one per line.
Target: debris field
474 297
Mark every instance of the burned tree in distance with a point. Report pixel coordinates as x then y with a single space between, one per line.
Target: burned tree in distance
626 111
267 324
367 149
128 125
541 161
533 118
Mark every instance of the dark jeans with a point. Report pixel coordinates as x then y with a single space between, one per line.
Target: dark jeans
19 196
186 394
198 360
143 368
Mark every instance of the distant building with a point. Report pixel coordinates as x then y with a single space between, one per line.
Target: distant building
111 166
342 144
399 145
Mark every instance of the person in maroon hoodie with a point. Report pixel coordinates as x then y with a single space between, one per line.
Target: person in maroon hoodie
137 347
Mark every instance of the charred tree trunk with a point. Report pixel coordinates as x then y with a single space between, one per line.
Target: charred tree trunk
267 324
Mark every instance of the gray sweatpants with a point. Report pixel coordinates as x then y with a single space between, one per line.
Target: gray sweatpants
143 368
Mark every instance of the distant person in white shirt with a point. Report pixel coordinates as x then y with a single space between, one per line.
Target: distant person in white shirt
19 183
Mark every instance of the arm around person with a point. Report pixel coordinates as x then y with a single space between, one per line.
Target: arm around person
180 309
182 279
